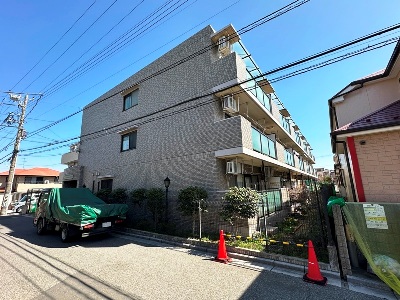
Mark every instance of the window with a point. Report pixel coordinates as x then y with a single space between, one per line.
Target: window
128 141
131 99
28 179
106 184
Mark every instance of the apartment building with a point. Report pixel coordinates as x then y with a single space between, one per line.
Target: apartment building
201 115
365 134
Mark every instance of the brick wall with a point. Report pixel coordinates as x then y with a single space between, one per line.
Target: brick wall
379 159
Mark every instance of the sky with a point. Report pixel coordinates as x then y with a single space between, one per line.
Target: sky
44 41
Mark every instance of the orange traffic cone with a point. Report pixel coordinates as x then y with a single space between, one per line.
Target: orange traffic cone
222 255
314 274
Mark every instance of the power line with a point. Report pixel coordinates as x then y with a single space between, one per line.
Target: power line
224 9
116 127
111 49
96 43
65 51
54 45
259 22
205 49
290 65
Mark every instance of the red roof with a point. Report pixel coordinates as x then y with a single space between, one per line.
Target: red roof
45 172
385 117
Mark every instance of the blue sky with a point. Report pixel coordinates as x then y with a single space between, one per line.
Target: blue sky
30 28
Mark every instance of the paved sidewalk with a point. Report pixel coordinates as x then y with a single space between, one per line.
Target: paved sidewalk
358 282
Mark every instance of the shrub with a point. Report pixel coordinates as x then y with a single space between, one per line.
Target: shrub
189 200
155 204
240 203
137 196
119 195
104 194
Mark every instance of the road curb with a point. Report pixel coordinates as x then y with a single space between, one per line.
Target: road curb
273 260
277 263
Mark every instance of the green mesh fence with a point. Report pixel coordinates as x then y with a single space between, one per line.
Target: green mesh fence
376 228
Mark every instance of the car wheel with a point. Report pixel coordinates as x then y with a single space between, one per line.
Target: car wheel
65 237
41 226
18 210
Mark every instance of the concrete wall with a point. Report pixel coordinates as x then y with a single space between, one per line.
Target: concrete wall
379 160
23 187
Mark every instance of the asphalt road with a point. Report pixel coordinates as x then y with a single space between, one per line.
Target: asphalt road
124 267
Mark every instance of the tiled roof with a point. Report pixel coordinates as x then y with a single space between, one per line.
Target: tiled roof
377 75
380 72
385 117
45 172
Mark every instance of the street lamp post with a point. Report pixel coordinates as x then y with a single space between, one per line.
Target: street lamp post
167 182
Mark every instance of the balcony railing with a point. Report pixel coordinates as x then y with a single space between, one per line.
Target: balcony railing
285 124
262 143
271 202
263 98
301 164
289 157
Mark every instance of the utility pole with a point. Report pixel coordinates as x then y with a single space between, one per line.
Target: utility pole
10 180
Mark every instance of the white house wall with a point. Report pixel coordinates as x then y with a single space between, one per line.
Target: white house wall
366 100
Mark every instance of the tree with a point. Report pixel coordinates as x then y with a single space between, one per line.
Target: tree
189 200
300 198
119 195
155 204
104 195
137 196
240 203
326 180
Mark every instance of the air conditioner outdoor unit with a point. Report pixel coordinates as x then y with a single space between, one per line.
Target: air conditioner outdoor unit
224 46
233 167
230 104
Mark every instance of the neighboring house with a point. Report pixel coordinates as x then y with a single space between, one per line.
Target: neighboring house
70 177
323 173
26 179
365 133
204 122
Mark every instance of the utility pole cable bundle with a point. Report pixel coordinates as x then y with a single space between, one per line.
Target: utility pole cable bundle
20 134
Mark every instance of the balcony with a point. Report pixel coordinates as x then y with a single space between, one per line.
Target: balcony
238 140
258 102
289 157
69 158
263 143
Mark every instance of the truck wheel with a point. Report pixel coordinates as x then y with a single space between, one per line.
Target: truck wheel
41 226
65 237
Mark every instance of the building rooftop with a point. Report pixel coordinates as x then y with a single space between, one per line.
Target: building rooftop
385 117
33 172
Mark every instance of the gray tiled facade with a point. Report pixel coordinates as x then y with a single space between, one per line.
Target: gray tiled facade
177 133
178 142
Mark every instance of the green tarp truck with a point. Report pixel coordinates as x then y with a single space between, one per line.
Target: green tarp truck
75 212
